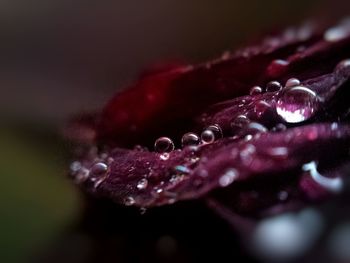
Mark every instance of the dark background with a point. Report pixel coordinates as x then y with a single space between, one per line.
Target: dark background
59 58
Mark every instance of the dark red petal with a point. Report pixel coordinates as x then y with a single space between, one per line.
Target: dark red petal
165 103
227 163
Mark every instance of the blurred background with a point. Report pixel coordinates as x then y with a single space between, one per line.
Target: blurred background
59 58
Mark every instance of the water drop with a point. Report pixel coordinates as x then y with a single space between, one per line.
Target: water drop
182 169
283 195
143 210
129 201
229 176
292 82
190 139
255 90
279 127
216 129
253 128
142 184
207 136
273 86
98 170
164 144
164 156
81 175
336 33
239 122
278 152
334 185
297 104
260 107
343 66
75 167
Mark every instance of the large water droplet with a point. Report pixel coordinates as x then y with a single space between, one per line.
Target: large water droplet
273 86
255 90
297 104
190 139
164 144
142 184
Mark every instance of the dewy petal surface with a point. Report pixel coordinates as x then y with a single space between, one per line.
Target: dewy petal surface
262 158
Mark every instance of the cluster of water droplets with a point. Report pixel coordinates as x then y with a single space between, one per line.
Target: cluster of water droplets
95 173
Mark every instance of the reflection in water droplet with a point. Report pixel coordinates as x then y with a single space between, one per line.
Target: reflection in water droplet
292 82
255 90
190 139
334 185
297 104
273 86
227 178
142 184
129 201
164 144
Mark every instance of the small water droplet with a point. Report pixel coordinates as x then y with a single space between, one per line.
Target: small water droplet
216 130
81 175
335 34
273 86
278 152
129 201
283 195
207 136
239 122
343 66
228 177
75 167
164 144
99 169
142 184
260 107
143 210
255 90
182 169
246 154
190 139
279 127
297 104
292 82
253 128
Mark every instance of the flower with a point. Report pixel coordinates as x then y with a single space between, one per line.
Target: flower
259 131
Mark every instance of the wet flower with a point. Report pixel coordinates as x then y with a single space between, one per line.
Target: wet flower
260 131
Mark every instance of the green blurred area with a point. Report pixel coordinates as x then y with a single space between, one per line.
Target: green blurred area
36 200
